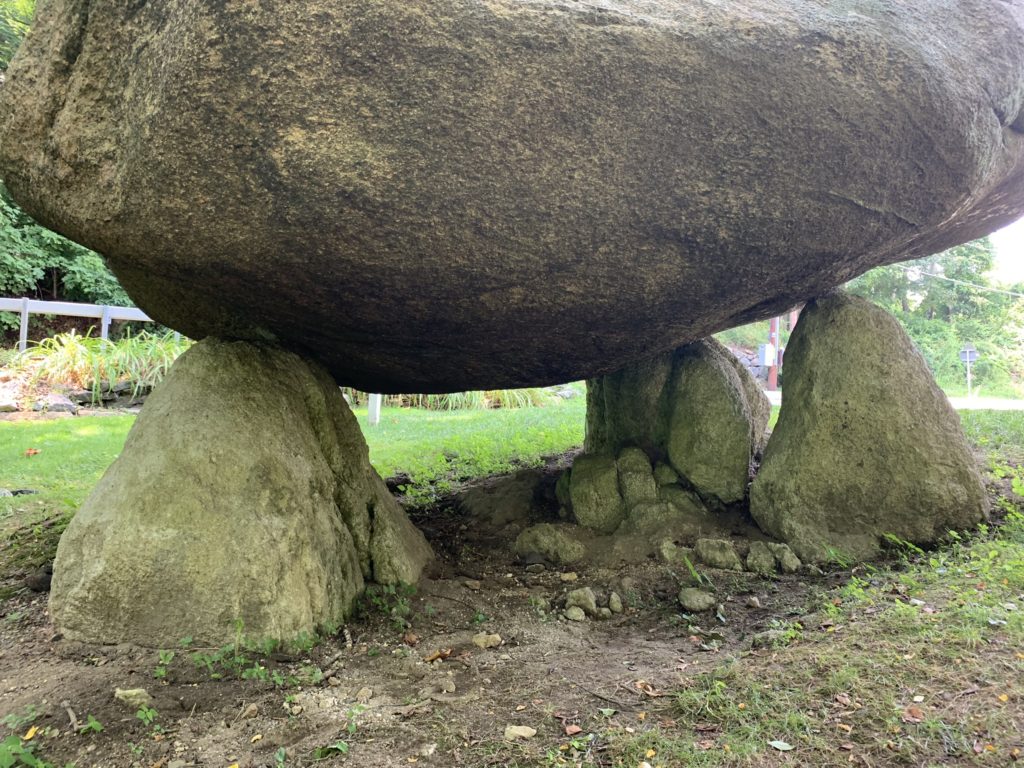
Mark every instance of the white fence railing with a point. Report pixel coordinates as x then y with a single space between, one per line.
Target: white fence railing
105 314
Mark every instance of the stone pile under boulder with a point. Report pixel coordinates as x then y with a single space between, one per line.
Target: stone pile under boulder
867 448
697 411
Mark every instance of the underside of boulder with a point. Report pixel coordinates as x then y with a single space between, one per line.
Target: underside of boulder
472 194
244 494
866 445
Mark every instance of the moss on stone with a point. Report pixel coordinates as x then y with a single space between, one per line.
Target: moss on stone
718 553
594 490
244 493
717 421
558 544
866 443
636 479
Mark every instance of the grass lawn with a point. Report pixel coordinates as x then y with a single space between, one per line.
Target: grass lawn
439 448
63 459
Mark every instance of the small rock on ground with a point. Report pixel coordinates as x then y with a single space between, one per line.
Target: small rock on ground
615 603
760 559
696 600
575 613
718 553
584 598
485 640
136 698
514 732
786 558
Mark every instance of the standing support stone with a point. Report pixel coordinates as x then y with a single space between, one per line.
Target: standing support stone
244 493
866 443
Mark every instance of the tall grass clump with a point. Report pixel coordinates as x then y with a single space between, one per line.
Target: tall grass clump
82 361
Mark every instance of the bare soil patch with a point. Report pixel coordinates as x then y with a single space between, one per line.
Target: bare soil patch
403 683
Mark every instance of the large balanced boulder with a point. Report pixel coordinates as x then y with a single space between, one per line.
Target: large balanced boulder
697 408
478 193
866 443
244 494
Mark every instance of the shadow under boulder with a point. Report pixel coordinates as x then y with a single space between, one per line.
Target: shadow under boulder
866 443
244 494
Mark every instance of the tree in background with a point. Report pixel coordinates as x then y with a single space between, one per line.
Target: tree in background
15 18
39 263
947 300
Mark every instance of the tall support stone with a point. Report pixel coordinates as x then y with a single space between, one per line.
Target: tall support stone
866 443
244 493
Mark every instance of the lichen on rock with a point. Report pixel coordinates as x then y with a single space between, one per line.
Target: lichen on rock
558 544
866 443
244 494
594 490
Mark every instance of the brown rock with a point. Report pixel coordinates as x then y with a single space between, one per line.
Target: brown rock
461 195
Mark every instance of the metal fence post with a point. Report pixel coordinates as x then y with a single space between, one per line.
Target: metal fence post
105 323
23 335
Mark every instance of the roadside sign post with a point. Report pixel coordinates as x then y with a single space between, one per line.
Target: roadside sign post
969 355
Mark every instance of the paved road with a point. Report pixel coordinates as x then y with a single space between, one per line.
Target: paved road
960 403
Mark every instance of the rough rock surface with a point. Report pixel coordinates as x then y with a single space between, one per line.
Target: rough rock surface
696 600
211 515
584 598
636 478
718 420
468 194
558 544
866 442
760 559
718 553
785 557
696 407
594 488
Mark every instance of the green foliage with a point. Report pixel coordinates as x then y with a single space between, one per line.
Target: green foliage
243 660
340 747
457 401
15 19
943 303
146 715
39 263
92 725
16 721
87 362
390 600
165 659
15 752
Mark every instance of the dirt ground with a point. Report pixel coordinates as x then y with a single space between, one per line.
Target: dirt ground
403 683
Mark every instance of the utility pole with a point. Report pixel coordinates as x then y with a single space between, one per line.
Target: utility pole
773 345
